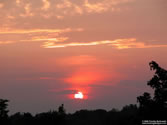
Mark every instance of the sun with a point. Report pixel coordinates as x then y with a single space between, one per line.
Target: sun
79 95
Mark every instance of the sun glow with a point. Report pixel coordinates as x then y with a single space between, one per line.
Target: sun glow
79 95
83 78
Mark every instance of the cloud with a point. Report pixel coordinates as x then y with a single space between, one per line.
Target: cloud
64 92
1 5
64 4
118 44
53 38
46 5
57 8
53 45
34 35
18 2
27 9
41 38
6 42
132 43
132 83
69 7
99 7
3 31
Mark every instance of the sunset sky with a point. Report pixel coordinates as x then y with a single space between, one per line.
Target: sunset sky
52 49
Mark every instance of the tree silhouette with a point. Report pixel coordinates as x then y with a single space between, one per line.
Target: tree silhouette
3 108
3 111
61 109
145 100
21 119
159 84
156 106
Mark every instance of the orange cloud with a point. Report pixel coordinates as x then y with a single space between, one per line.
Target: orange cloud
18 2
53 45
67 7
97 7
103 6
28 12
132 43
56 9
35 35
118 43
58 39
46 5
3 31
78 9
1 5
51 39
6 42
64 4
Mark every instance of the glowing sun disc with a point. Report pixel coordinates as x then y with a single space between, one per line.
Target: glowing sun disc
78 95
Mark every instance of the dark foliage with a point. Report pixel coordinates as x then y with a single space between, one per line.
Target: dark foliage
3 108
3 111
154 108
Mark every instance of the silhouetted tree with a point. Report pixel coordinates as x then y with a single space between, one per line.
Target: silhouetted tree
3 111
145 100
128 114
3 108
130 108
61 109
21 119
156 106
159 84
48 118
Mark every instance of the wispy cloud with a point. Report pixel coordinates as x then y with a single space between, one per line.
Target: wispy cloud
57 8
1 5
53 45
35 35
46 5
38 31
6 42
102 6
118 44
87 6
28 12
133 43
53 38
64 92
18 2
59 39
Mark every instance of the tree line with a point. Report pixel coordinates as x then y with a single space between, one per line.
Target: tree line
150 108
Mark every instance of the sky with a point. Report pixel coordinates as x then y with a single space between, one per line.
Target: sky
52 49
